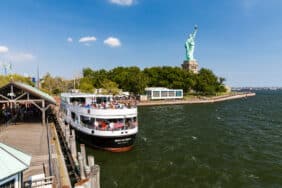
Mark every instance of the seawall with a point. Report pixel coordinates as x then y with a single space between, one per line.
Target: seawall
198 100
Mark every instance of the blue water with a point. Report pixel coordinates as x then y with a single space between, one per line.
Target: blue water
235 143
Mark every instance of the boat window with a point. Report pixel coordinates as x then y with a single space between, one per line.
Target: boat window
100 100
109 124
115 124
87 121
131 122
102 124
80 100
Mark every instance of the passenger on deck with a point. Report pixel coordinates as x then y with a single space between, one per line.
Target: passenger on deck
96 124
111 126
103 125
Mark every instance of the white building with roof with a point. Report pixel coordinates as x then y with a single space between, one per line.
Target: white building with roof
159 93
12 164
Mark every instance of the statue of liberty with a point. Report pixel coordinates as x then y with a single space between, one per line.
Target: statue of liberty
190 44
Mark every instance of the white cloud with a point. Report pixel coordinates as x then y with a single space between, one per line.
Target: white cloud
122 2
87 39
20 57
15 56
112 42
4 49
69 39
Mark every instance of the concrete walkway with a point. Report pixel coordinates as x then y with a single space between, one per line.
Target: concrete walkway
201 100
30 138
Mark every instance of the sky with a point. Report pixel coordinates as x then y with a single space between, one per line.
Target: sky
240 40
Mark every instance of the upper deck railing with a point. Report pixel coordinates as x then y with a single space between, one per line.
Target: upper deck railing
108 105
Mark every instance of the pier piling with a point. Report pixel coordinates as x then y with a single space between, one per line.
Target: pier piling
73 144
81 166
83 153
91 160
88 175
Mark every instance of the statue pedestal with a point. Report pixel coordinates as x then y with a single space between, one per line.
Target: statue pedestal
191 65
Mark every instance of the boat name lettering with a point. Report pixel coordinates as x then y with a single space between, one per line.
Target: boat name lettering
122 140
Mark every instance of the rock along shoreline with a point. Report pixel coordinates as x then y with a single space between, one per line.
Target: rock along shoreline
198 100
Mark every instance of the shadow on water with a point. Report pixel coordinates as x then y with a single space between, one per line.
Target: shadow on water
230 144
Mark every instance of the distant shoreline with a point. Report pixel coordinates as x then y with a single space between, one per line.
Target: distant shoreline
198 100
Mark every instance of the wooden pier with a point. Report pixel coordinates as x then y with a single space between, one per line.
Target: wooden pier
52 145
31 138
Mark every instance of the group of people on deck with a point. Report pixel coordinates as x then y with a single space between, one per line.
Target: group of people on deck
114 125
109 105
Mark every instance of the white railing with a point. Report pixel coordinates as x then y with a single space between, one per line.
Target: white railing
44 182
119 113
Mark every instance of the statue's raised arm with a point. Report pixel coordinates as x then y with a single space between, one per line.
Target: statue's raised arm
195 31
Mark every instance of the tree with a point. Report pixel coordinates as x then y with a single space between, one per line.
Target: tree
207 83
169 77
85 85
134 80
47 83
110 87
14 77
54 85
130 79
87 72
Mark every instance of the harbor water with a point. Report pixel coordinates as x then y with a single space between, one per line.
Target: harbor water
234 143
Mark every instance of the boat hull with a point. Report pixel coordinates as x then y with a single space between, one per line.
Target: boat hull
113 144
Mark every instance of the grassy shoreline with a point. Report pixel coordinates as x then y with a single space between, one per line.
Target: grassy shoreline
199 99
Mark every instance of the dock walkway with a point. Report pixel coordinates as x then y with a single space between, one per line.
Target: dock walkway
31 138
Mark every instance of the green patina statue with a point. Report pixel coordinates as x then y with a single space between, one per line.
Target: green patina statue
190 44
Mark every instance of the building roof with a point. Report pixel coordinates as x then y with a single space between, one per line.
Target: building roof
160 89
33 91
36 91
12 161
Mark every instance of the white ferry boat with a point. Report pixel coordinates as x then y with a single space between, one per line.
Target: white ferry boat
100 121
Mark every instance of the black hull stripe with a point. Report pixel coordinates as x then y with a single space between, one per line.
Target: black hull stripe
105 142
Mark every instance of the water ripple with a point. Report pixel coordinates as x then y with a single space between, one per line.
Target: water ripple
230 144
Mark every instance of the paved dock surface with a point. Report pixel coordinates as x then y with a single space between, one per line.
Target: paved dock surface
31 138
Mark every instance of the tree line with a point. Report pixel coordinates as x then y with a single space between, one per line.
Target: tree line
135 80
15 77
49 84
131 79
